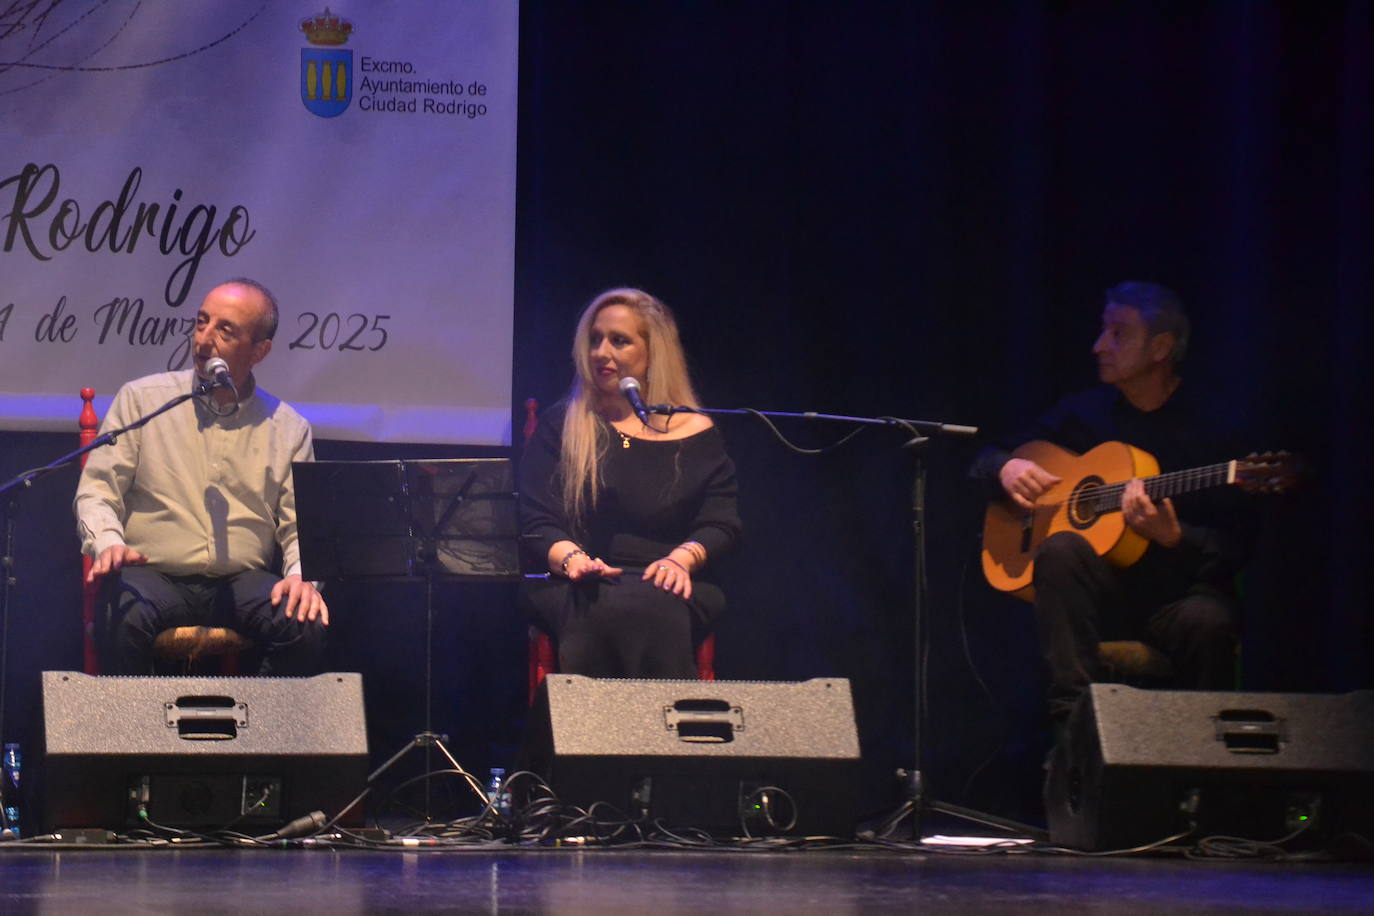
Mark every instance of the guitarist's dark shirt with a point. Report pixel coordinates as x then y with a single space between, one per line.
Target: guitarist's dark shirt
1218 524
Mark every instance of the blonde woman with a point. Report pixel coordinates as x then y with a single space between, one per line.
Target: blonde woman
625 514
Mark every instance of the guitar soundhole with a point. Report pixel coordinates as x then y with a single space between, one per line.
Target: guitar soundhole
1083 504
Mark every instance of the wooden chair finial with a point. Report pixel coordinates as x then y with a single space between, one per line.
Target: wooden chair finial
87 422
531 417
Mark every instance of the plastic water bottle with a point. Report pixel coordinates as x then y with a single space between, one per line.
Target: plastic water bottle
497 793
13 759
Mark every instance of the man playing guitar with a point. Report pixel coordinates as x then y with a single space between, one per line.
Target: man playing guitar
1178 595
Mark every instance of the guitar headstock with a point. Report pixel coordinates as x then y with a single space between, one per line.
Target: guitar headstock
1269 472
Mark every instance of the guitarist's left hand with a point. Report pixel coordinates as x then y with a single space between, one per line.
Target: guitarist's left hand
1156 521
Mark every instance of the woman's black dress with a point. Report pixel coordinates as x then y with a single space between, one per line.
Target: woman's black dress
655 494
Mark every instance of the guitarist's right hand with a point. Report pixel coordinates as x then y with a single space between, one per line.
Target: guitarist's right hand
1025 481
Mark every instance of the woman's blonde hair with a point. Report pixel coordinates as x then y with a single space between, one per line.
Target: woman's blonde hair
666 381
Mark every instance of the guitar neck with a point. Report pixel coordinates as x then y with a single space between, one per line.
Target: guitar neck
1173 483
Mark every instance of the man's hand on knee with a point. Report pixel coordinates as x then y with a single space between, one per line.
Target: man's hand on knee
113 559
303 600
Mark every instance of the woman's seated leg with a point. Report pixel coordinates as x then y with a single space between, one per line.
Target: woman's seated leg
616 628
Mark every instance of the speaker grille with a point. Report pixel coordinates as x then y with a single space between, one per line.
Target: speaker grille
1141 765
700 753
201 740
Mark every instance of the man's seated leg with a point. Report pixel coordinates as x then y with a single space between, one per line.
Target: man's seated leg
289 646
1198 635
143 602
1074 588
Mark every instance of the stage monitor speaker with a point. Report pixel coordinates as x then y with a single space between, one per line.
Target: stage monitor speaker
1142 765
200 752
726 757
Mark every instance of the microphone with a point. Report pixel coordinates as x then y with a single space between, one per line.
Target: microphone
218 370
630 388
217 376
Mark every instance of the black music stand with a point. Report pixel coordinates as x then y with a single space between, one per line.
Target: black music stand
452 519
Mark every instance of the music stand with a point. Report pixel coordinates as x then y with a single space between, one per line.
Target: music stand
420 520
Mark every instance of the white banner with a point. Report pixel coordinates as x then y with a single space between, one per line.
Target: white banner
358 161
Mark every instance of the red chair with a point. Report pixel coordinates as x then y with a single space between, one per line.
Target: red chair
184 645
543 653
88 424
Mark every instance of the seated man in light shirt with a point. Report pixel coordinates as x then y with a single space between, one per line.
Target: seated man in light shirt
186 514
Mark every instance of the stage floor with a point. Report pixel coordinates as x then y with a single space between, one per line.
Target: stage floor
661 882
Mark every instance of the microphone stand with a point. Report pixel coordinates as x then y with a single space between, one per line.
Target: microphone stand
917 801
931 426
27 478
9 494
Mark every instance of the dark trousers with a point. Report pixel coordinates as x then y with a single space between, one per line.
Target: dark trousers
622 627
143 602
1081 600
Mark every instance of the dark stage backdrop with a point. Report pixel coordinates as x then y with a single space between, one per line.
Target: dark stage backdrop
912 209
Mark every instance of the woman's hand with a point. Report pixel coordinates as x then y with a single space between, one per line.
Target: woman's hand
582 566
571 561
670 575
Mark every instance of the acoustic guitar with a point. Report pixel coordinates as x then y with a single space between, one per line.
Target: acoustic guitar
1088 500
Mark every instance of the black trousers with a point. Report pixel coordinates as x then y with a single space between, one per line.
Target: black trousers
142 602
622 627
1081 600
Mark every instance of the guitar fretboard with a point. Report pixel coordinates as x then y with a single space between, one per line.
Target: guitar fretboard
1107 498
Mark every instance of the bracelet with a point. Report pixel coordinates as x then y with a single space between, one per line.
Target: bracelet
678 565
697 551
563 567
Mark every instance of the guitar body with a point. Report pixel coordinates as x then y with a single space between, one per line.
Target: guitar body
1011 535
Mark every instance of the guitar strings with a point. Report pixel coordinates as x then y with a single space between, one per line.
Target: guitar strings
1108 496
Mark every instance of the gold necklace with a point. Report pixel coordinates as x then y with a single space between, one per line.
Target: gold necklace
627 438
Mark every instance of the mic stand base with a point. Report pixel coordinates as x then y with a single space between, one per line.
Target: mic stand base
917 807
427 740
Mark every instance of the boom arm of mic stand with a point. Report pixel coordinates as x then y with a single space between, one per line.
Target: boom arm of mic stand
929 426
27 478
